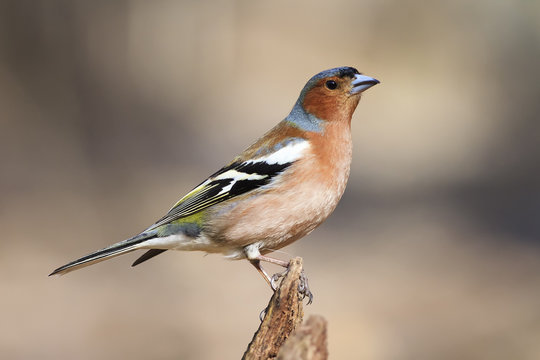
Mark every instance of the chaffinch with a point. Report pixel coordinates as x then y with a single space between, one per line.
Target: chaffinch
278 190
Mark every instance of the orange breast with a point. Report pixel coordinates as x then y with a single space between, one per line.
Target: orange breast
302 199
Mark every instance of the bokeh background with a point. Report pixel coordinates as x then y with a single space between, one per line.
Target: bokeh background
111 110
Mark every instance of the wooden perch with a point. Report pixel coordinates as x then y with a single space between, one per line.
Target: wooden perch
283 315
308 341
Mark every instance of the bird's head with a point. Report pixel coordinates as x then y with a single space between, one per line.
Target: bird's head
332 95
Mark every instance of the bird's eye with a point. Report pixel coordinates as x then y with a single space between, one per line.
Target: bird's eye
331 84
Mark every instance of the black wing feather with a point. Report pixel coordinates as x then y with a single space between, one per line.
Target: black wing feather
211 193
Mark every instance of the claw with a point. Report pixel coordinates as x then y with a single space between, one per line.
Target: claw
303 288
276 277
273 282
262 314
303 285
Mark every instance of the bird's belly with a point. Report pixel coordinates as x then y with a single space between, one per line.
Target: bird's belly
276 219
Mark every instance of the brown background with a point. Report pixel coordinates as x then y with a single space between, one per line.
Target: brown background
110 111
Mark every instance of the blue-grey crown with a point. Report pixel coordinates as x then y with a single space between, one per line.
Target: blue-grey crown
345 71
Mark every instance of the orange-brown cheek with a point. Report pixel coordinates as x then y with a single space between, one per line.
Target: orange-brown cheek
319 104
352 103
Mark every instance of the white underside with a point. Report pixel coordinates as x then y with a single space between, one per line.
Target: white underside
182 242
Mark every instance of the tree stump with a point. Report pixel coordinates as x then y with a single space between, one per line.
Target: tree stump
308 341
284 314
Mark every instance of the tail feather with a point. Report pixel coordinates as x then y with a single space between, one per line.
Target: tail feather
106 253
148 255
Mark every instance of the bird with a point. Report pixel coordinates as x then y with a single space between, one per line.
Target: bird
275 192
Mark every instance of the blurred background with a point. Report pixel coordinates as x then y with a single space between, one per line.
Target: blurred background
110 111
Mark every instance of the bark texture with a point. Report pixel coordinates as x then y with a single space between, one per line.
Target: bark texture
283 316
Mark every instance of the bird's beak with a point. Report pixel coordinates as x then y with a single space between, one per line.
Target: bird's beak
361 83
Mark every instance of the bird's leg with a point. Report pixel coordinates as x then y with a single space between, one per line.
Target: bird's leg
257 264
271 280
274 279
255 258
270 260
303 286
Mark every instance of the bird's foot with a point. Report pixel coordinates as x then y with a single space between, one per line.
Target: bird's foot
303 288
262 314
303 285
275 278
